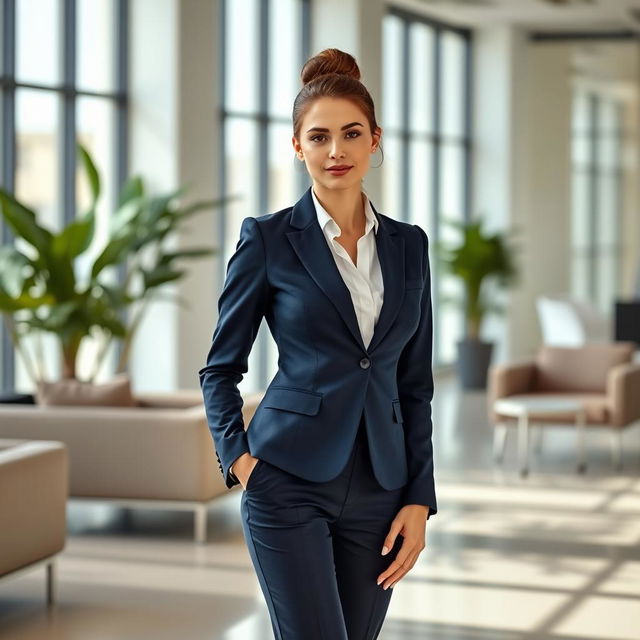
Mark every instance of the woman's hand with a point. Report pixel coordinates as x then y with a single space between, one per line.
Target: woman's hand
409 522
243 467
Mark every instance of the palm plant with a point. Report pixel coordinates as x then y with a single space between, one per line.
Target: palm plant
40 290
476 260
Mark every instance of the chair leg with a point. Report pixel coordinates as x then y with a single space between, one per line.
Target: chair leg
523 444
580 440
539 431
200 523
616 448
51 569
499 441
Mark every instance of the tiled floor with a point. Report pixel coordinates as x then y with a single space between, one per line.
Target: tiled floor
552 556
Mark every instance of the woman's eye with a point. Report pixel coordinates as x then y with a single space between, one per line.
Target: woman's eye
315 138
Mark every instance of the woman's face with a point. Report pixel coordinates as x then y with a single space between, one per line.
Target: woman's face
334 131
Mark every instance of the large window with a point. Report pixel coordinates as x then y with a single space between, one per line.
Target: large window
597 197
62 79
260 77
427 144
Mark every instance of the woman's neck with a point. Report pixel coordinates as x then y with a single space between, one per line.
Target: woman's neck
345 206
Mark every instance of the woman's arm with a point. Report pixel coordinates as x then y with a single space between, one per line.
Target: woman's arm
241 307
415 389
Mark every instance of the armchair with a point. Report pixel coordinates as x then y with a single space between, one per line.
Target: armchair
602 377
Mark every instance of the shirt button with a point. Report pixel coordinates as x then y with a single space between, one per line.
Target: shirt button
365 363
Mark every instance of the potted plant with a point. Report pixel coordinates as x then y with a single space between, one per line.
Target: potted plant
41 292
478 260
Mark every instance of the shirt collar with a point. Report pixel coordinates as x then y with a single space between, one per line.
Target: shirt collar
325 219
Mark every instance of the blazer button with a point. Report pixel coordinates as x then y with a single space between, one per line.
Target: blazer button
365 363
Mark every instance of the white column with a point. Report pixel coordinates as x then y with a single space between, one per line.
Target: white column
173 141
355 26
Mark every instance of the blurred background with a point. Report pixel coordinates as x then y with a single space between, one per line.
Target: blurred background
511 136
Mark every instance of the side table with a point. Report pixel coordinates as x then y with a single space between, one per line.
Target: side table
528 407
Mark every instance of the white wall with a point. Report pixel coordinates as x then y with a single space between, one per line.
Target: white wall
355 26
522 179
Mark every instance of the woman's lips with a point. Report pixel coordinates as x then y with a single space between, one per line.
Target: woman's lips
339 172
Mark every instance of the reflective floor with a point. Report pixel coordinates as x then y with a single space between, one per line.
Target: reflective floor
552 556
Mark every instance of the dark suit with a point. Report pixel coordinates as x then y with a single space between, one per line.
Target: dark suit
328 387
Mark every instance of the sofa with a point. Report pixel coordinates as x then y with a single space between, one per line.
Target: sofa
34 485
159 454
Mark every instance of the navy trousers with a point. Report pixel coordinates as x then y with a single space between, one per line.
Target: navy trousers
316 548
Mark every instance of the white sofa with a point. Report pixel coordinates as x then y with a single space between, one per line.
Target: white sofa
34 485
157 455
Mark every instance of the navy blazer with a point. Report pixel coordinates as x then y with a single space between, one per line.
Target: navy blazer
306 423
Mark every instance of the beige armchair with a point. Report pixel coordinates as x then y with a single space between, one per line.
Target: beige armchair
602 377
34 485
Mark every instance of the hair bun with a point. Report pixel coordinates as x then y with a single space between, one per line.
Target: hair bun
329 61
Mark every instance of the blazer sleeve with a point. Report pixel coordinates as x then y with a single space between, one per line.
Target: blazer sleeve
241 307
415 389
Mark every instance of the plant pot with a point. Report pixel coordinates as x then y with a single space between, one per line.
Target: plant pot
474 357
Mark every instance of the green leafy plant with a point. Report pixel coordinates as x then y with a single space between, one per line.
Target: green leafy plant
477 259
41 291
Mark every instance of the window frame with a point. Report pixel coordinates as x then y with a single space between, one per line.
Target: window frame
67 93
437 139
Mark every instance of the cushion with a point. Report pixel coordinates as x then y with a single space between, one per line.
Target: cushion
583 368
69 391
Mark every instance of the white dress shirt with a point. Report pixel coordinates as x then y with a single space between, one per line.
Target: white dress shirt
364 279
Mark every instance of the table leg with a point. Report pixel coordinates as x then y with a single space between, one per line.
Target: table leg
580 435
523 443
499 440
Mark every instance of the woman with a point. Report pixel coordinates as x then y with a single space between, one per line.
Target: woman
336 463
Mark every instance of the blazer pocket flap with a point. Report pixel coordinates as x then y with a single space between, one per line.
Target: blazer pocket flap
397 411
299 401
413 283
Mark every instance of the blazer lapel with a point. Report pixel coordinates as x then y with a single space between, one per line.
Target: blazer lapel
311 247
390 247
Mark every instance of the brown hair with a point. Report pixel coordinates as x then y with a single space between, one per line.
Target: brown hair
332 73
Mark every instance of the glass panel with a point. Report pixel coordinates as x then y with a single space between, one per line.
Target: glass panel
580 275
608 214
607 118
581 150
391 182
451 182
241 135
450 325
580 233
581 110
392 73
283 168
37 41
284 54
37 142
606 279
452 97
96 41
242 42
421 81
95 130
608 151
421 184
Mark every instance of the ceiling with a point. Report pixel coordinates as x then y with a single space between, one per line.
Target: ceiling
537 15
